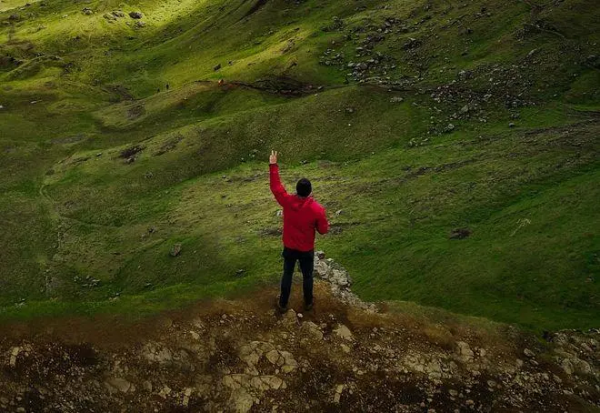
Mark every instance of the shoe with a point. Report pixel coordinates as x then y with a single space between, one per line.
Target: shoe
308 307
282 310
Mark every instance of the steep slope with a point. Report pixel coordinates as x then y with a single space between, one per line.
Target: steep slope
420 122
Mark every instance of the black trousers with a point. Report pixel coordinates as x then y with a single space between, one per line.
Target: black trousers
306 260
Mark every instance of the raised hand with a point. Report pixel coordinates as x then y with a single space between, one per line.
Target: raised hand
273 157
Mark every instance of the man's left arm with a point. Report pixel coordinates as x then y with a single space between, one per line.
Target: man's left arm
322 223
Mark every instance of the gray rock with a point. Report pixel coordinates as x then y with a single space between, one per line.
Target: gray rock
156 353
312 329
241 401
165 391
339 389
583 367
274 357
119 384
464 350
176 250
567 366
14 353
273 382
528 353
186 397
343 332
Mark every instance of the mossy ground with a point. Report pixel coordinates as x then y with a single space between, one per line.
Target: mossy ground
104 169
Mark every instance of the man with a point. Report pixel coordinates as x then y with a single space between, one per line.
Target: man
302 216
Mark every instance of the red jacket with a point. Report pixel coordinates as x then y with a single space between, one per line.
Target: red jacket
301 216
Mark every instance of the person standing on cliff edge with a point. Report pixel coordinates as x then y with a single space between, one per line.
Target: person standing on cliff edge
302 216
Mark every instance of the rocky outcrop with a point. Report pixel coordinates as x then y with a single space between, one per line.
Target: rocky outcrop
243 356
339 279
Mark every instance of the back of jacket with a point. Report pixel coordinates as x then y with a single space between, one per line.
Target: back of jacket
301 216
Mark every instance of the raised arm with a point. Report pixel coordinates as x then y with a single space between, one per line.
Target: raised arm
277 188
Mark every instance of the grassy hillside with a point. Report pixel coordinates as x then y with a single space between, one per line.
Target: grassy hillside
421 121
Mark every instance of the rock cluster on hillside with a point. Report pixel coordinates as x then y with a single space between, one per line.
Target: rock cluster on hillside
339 281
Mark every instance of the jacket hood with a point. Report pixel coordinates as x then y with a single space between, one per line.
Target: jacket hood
298 203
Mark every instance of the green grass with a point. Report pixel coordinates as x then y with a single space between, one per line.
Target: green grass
86 90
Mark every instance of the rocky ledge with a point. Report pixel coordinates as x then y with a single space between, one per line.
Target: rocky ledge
240 356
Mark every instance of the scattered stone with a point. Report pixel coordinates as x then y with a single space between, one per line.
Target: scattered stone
460 233
312 329
567 366
343 332
582 367
136 15
13 356
186 397
119 384
217 67
147 386
157 353
396 99
464 350
338 393
176 250
528 353
241 401
165 392
87 11
449 128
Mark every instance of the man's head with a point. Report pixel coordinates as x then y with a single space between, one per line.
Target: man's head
303 188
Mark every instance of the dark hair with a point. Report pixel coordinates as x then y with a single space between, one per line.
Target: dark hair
303 187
